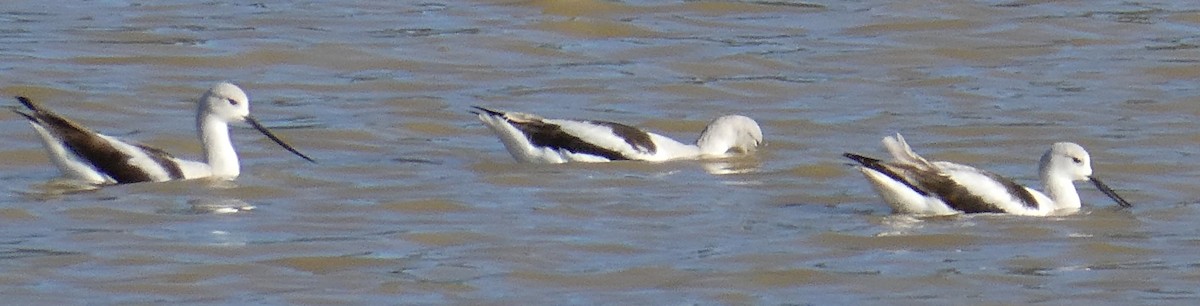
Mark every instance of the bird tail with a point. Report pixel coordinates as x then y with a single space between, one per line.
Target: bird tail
882 168
31 106
484 111
902 152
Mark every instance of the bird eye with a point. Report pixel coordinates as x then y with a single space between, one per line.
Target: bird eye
1076 160
232 101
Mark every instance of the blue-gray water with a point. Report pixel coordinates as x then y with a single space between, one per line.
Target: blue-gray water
415 202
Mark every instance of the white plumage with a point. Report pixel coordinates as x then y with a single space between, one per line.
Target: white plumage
533 139
83 154
913 185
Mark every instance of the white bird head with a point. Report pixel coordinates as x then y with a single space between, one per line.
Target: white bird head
1067 159
730 132
227 102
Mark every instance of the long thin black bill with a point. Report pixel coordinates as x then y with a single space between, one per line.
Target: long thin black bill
1109 192
266 132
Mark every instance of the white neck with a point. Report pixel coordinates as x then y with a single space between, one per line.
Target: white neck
218 148
709 147
728 132
715 140
1062 191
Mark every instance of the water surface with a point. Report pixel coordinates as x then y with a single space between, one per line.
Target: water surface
415 202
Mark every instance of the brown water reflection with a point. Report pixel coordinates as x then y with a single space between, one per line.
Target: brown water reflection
414 202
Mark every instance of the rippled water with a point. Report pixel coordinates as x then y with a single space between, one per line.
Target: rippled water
415 202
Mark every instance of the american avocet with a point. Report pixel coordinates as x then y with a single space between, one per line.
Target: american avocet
533 139
83 154
913 185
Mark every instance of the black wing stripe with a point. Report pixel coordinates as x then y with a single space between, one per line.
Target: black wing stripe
949 191
552 136
86 144
955 195
635 137
543 134
1016 190
164 160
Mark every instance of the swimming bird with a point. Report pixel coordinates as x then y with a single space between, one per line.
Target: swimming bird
533 139
911 184
85 155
